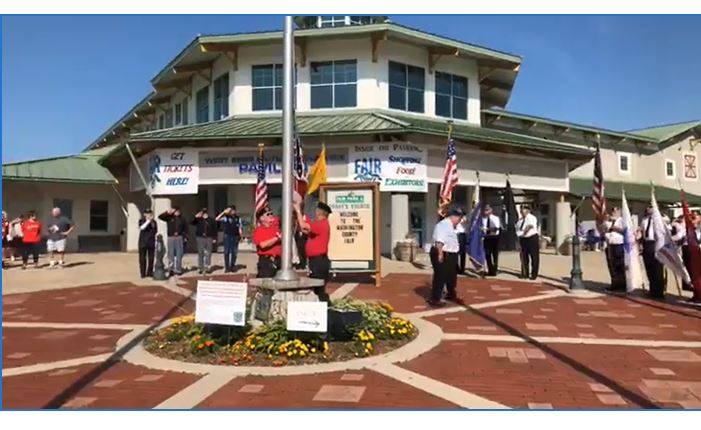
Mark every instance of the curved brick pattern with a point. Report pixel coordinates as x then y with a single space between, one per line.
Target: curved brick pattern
27 346
357 389
122 386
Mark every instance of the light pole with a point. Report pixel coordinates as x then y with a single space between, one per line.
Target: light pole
576 282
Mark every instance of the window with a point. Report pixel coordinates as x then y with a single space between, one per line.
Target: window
202 114
670 170
406 87
161 121
181 112
98 215
624 163
169 118
221 97
332 21
186 107
66 206
267 87
451 96
334 84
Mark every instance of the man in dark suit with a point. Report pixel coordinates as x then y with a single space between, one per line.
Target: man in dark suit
147 243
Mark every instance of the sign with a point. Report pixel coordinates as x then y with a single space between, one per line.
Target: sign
399 166
221 303
173 171
690 171
307 316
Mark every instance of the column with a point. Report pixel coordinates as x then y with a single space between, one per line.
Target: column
160 205
400 218
132 227
564 224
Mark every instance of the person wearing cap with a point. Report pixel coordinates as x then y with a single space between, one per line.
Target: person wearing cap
444 258
176 230
317 246
230 224
491 228
147 243
268 241
527 232
653 267
615 251
206 236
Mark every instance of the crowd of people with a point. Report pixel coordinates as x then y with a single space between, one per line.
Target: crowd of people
23 236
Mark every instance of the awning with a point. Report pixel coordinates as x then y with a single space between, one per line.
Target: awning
582 187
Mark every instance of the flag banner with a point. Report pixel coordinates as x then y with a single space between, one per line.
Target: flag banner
261 197
450 174
634 278
300 170
317 173
597 196
509 216
666 250
694 250
475 246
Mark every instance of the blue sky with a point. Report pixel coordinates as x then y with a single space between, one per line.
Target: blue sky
67 79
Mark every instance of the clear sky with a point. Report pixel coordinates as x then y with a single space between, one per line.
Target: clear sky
66 79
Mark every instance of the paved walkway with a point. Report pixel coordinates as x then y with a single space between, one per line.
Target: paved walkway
513 345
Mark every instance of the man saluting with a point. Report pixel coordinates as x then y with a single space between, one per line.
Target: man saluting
317 246
268 242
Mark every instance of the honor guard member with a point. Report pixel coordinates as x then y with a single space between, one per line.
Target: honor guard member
268 242
679 237
444 258
527 232
147 243
491 229
317 245
653 268
615 253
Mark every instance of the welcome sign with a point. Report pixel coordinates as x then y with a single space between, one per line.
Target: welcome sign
173 171
399 166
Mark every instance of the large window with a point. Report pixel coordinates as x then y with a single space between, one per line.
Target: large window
98 215
451 96
406 87
332 21
267 87
221 97
202 99
334 84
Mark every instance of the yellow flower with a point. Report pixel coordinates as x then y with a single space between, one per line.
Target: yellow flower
302 353
326 346
368 346
289 354
313 350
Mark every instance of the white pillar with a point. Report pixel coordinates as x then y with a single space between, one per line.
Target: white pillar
132 227
160 205
400 218
564 224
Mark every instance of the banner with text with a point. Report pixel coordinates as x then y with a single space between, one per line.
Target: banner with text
173 171
398 166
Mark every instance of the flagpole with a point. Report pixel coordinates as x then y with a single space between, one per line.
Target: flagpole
286 273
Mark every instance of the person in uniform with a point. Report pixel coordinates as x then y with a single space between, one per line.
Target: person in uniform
230 224
679 238
147 243
176 229
268 241
317 245
206 239
653 267
444 258
615 252
461 230
491 229
527 232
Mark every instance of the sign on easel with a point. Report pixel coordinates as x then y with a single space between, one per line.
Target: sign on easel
307 316
221 303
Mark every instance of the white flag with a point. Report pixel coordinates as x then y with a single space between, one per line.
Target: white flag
630 246
666 250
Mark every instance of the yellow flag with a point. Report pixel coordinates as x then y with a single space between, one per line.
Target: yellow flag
317 173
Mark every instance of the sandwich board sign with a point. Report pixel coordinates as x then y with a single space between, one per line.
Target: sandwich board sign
307 316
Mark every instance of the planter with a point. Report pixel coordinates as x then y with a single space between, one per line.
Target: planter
339 320
404 251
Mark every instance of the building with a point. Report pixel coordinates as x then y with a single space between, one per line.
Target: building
379 96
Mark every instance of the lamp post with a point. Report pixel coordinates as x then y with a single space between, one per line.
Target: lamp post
576 282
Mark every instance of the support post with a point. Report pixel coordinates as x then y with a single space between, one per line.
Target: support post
576 282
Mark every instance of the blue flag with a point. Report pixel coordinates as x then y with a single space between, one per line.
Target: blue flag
475 248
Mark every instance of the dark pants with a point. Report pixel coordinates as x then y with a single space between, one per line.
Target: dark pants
146 255
462 253
530 256
445 274
491 253
267 266
301 243
686 257
30 248
231 251
319 268
654 270
615 257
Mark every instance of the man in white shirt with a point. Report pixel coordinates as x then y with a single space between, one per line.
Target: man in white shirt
615 252
653 267
444 258
461 230
491 229
527 232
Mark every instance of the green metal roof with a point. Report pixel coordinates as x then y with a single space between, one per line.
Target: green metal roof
354 123
664 132
634 191
82 168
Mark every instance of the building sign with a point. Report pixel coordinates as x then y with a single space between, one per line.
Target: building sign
221 303
690 171
307 316
173 171
399 166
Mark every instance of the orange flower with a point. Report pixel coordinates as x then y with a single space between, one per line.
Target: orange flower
200 346
209 343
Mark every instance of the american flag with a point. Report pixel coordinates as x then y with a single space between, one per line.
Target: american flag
450 173
300 169
597 195
261 185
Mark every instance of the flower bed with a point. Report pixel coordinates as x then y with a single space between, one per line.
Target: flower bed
272 345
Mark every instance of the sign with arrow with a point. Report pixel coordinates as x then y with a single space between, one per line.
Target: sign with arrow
307 316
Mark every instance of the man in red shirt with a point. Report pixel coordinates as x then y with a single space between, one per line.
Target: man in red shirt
31 237
268 242
317 246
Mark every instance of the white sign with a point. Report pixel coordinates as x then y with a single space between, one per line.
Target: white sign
221 303
307 316
399 166
173 171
